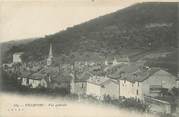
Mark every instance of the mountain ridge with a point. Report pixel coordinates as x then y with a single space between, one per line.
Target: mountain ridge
111 34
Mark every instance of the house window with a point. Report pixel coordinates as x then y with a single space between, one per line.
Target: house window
124 81
132 84
82 85
137 92
138 83
103 86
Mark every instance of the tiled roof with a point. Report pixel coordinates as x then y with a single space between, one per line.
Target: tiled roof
50 70
140 75
123 68
130 68
37 76
26 73
63 78
84 76
98 80
113 66
115 75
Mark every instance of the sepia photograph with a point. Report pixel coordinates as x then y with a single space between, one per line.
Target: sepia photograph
89 58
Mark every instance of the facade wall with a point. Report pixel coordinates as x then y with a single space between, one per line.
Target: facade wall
24 82
80 88
110 88
17 58
131 90
161 79
43 83
94 90
34 83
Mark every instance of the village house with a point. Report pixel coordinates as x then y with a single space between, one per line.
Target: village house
97 86
17 57
64 82
38 80
81 83
136 81
121 60
117 60
158 79
41 78
130 89
35 80
24 77
100 86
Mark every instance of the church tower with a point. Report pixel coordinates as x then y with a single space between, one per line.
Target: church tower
50 56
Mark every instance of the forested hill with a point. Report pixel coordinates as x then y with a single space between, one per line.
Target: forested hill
142 26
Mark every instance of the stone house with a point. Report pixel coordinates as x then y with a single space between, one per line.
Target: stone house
97 86
62 82
17 57
136 81
24 77
38 80
157 79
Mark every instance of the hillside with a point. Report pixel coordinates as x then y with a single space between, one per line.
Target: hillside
135 29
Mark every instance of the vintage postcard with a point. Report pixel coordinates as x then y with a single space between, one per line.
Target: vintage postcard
89 58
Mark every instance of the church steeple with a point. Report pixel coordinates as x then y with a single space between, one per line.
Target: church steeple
50 56
50 52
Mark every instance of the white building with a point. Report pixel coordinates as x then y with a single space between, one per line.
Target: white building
121 60
146 83
117 60
34 83
37 80
34 80
24 81
17 57
24 78
130 89
98 86
157 80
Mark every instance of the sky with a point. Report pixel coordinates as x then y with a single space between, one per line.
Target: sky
24 19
